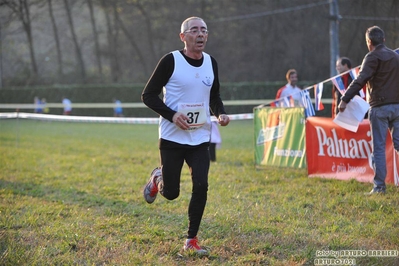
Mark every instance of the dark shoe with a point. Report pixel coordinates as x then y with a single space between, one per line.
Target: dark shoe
376 191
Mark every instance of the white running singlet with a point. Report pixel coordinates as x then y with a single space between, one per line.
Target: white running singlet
188 92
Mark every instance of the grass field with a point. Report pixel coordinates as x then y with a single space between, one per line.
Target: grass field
71 194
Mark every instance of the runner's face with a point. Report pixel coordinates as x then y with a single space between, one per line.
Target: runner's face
194 37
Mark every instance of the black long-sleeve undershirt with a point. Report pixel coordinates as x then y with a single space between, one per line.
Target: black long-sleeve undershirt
160 78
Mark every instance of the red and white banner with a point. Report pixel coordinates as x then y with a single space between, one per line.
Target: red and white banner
333 152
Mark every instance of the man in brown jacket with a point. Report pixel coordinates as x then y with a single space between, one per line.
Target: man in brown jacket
380 71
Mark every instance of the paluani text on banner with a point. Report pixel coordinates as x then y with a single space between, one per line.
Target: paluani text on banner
333 152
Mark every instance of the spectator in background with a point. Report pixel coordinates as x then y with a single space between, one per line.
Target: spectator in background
343 65
67 106
38 105
290 89
380 71
46 110
118 111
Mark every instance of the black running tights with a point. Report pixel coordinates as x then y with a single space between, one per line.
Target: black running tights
173 156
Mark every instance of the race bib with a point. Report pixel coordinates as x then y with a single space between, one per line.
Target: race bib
196 113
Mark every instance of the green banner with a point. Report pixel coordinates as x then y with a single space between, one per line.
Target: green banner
280 137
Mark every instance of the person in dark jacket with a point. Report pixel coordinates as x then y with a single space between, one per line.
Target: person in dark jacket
380 72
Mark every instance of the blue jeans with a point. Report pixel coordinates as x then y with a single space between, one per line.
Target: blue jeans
381 119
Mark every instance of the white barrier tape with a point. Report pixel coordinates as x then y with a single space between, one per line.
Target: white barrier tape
32 106
99 119
112 105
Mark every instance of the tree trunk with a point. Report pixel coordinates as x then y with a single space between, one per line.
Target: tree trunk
134 44
21 9
148 20
57 40
96 42
79 56
112 42
28 29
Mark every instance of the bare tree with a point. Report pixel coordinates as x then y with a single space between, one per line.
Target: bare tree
21 9
254 41
112 37
96 38
56 38
149 30
79 56
134 44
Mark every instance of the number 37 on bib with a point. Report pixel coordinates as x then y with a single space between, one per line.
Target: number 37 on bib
196 113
